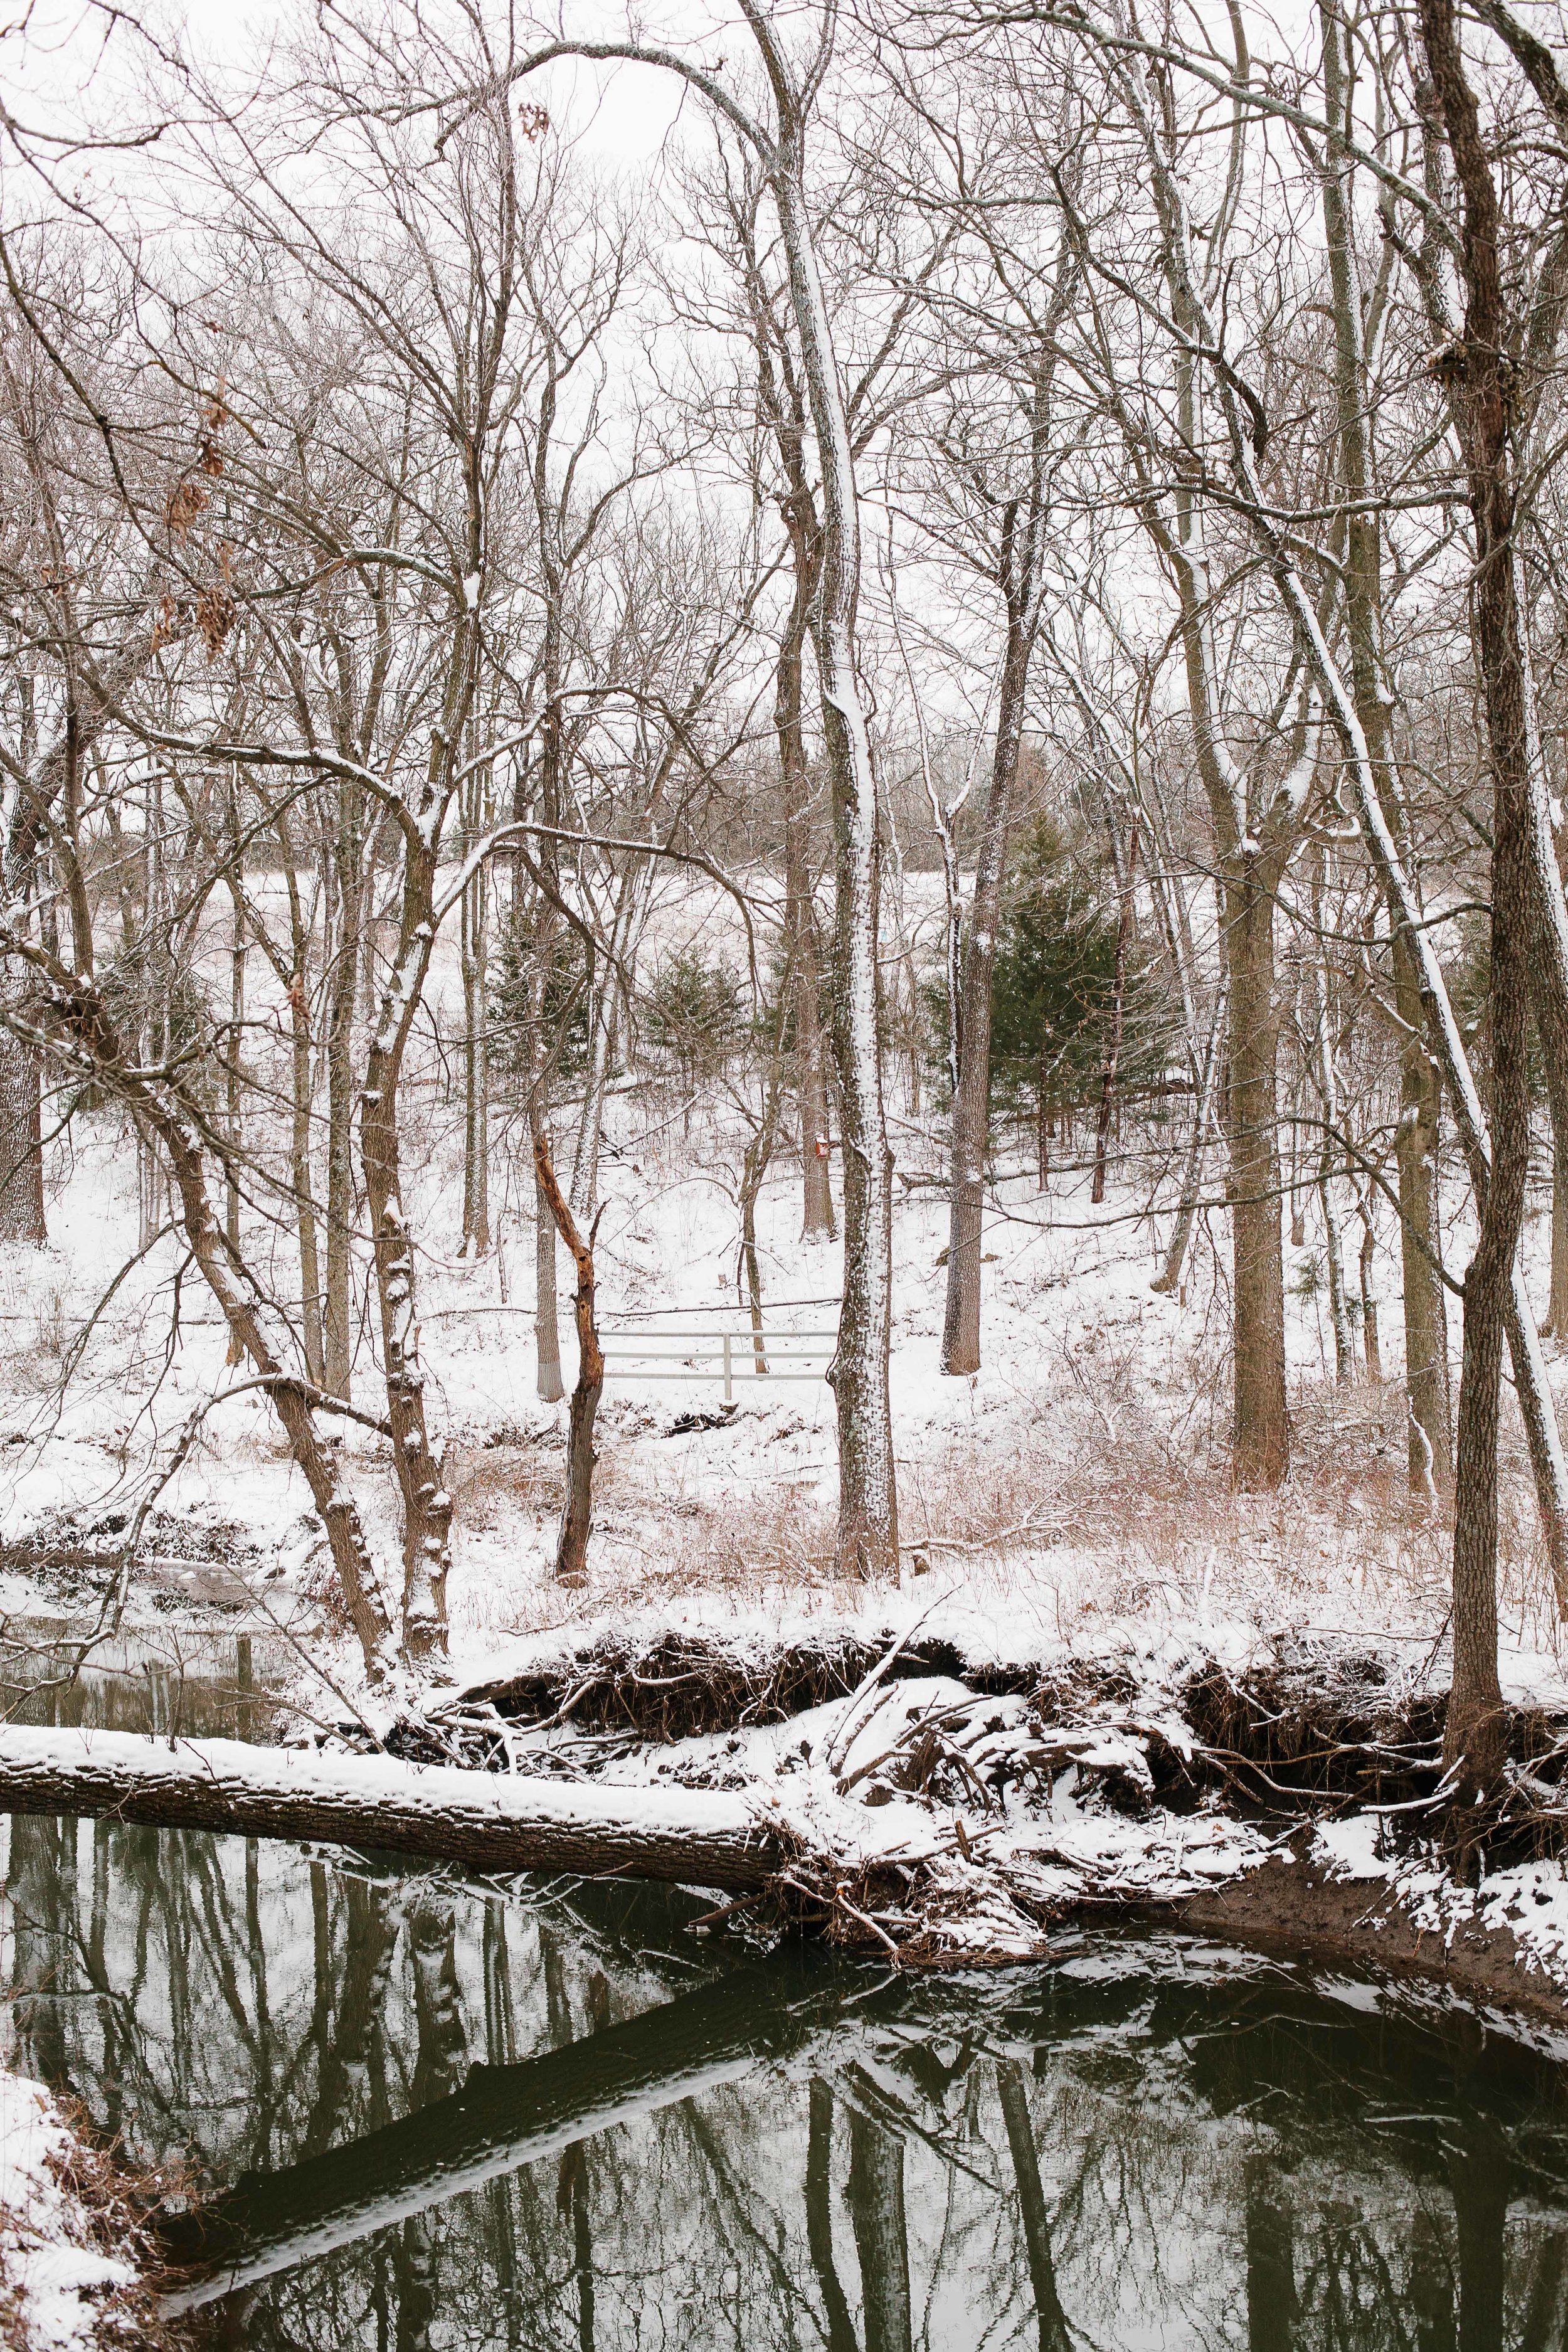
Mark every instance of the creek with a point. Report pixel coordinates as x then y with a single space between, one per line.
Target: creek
413 2110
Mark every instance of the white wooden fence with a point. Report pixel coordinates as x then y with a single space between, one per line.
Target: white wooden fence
726 1356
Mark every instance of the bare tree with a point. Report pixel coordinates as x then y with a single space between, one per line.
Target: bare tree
868 1531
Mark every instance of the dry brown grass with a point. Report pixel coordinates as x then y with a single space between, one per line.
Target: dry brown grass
1157 1516
489 1485
743 1547
110 2203
1132 1490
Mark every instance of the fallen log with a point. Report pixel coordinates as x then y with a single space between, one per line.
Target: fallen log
483 1821
503 2118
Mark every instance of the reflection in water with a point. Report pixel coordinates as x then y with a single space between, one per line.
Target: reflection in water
424 2115
202 1682
435 2118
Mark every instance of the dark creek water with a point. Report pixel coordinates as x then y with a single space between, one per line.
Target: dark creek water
426 2115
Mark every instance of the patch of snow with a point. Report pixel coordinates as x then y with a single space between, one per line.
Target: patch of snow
1351 1848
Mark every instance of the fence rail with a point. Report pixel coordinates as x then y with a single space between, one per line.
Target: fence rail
726 1356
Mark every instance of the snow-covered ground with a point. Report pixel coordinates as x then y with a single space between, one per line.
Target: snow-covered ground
1079 1481
1069 1505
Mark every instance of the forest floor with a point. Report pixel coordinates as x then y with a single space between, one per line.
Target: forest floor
1103 1676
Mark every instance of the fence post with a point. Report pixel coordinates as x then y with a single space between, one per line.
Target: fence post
729 1387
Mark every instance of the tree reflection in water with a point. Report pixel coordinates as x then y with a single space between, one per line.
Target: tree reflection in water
1149 2144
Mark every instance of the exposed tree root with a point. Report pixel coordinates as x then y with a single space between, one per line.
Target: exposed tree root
683 1686
1316 1724
1317 1729
1018 1807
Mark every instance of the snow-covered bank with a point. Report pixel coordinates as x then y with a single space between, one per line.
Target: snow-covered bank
955 1800
69 2278
943 1804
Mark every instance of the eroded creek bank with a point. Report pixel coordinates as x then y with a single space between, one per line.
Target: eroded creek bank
1290 1797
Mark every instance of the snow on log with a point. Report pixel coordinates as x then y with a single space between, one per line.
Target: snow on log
483 1821
503 2117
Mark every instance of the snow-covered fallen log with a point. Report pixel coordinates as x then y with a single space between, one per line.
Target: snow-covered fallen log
484 1821
503 2117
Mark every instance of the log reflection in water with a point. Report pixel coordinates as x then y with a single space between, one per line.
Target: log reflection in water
503 2118
1111 2155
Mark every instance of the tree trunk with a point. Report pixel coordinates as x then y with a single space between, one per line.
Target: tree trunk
800 943
868 1504
1549 914
476 1069
584 1193
548 1381
1556 1323
1473 1744
971 1094
1261 1430
22 1217
759 1153
1118 1013
305 1207
1248 877
868 1541
577 1510
1426 1300
234 1137
50 779
341 1000
1329 1151
1176 1257
1334 1255
426 1504
1371 1346
1425 1318
300 1103
485 1821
